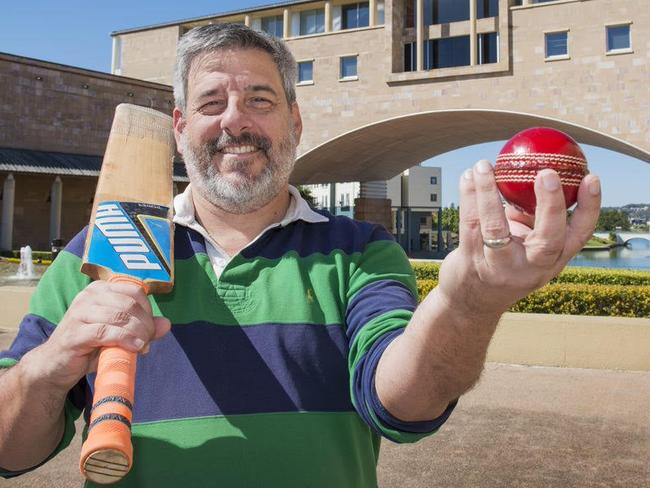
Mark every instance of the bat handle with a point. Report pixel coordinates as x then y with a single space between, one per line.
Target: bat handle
107 453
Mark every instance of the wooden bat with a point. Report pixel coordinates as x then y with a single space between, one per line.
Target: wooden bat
130 239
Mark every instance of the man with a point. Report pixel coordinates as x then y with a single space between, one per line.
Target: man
289 353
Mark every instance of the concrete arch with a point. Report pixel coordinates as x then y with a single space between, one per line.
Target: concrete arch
380 150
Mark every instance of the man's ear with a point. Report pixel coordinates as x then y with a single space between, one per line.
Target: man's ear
179 127
297 121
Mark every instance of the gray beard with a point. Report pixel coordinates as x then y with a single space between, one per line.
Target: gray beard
248 193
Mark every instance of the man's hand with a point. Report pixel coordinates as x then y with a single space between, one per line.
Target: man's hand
103 314
482 280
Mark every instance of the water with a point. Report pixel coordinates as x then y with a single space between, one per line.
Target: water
26 266
636 255
8 272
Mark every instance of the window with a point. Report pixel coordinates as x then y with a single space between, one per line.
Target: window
557 45
348 67
487 8
487 48
618 38
273 25
355 15
305 71
445 11
446 53
434 197
312 22
410 60
434 180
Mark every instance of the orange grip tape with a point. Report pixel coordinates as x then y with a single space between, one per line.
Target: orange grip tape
107 453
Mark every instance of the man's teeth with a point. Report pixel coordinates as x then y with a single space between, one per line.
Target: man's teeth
239 149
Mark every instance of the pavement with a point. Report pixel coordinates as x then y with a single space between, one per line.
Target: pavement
521 426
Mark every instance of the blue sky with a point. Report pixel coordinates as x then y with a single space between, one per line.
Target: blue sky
78 34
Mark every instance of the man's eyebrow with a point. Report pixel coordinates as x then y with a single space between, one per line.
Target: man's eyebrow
267 88
209 93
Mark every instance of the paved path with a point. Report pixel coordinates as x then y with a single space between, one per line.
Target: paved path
520 427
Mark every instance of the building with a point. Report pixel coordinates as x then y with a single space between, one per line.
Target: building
387 84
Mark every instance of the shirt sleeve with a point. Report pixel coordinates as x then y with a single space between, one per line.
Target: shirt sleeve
54 293
381 301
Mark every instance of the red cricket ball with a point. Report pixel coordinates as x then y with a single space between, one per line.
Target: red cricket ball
533 150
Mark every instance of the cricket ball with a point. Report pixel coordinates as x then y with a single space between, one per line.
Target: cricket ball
533 150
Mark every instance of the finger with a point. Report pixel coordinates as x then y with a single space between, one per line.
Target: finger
134 291
469 229
546 243
492 216
114 308
585 216
524 222
93 336
162 326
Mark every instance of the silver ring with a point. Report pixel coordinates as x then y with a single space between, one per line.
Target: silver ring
498 243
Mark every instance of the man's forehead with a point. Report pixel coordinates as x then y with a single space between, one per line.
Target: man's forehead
233 60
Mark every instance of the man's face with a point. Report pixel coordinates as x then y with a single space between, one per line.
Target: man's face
238 135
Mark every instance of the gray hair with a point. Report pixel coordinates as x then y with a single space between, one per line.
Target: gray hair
213 37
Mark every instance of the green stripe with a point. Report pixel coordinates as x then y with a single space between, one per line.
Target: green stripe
270 450
397 435
289 290
7 362
58 287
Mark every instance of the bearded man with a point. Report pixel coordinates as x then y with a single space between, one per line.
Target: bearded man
291 342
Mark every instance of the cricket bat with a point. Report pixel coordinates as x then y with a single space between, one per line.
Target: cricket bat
130 239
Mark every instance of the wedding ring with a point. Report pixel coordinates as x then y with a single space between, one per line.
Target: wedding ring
497 243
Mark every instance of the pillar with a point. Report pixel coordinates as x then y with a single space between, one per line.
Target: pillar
56 197
328 16
419 34
372 13
286 23
333 198
247 20
8 199
473 41
373 204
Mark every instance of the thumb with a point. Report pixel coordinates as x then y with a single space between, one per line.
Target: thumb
162 326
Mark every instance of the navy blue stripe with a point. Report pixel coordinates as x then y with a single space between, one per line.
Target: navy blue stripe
340 233
374 300
187 242
77 243
204 369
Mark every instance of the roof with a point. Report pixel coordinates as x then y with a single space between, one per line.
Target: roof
57 163
211 16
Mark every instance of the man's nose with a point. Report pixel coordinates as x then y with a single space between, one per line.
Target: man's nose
235 119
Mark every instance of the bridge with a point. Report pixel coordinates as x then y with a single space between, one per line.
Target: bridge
623 237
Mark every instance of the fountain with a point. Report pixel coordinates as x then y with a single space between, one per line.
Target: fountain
26 267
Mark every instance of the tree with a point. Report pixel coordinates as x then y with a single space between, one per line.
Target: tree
307 195
610 220
450 218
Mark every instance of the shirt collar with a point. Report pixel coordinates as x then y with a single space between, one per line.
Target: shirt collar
299 209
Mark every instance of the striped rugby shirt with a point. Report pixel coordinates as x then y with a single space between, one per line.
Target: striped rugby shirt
267 376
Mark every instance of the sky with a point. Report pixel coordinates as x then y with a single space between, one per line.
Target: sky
78 34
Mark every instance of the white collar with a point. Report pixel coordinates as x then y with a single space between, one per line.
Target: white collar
299 209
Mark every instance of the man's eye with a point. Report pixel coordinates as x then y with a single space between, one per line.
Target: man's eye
212 106
261 102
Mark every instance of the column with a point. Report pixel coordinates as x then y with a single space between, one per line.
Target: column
8 198
333 198
286 27
247 20
373 204
526 2
473 41
328 16
372 13
56 197
419 34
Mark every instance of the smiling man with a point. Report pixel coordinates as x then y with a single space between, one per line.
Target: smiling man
291 343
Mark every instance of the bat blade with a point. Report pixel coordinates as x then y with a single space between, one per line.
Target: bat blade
130 238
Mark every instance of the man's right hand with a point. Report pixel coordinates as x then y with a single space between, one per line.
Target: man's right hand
103 314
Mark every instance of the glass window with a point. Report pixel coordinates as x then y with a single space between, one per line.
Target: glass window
312 22
446 53
273 25
355 15
305 71
349 67
618 37
556 44
445 11
434 180
410 62
487 48
487 8
434 197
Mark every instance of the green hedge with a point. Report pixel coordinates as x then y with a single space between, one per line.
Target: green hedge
42 255
578 299
585 276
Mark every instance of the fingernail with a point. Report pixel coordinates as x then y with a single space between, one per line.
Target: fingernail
138 343
551 181
483 167
467 174
594 187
